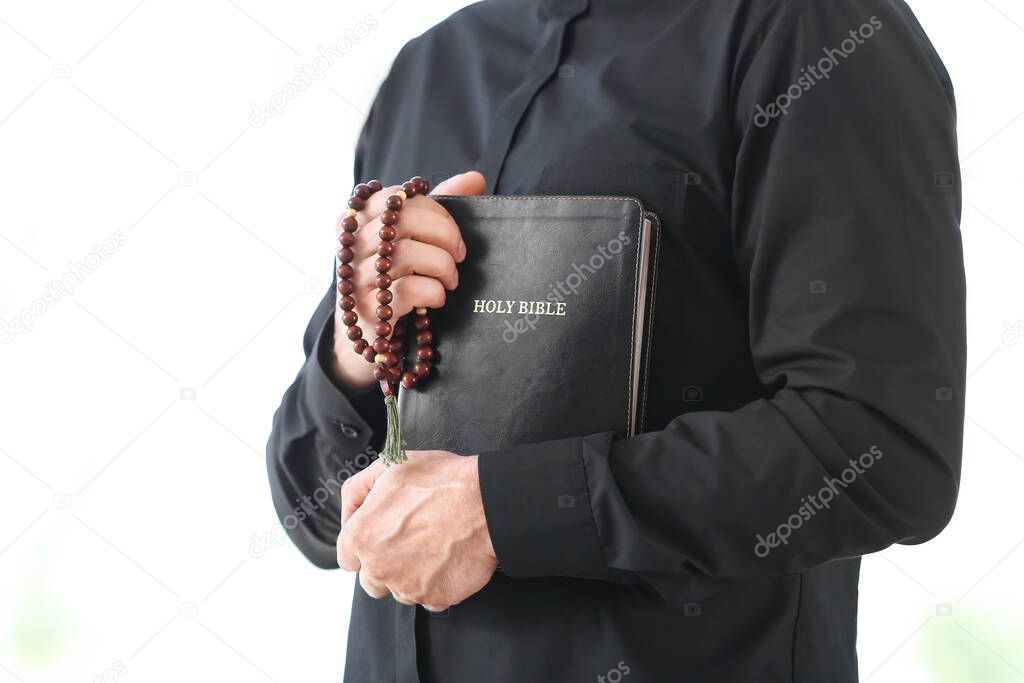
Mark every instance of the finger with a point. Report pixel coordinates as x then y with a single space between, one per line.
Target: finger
435 608
347 558
411 257
375 205
417 291
401 599
356 487
417 223
468 183
373 588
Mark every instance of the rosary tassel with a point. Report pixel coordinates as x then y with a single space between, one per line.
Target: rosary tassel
393 452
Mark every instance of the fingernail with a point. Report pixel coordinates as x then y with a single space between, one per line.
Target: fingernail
462 249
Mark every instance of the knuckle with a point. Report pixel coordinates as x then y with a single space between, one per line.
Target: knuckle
349 485
356 533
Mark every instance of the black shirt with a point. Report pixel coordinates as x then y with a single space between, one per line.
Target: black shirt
807 395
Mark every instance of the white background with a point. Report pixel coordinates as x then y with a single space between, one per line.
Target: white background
133 521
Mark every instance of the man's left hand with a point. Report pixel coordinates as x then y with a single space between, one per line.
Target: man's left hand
417 530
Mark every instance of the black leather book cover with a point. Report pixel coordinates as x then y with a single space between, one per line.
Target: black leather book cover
546 334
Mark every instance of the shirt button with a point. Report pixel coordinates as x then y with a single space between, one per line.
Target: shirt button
348 430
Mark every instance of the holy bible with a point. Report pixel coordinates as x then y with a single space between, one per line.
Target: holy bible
548 333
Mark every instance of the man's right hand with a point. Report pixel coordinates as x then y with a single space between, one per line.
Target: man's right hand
427 248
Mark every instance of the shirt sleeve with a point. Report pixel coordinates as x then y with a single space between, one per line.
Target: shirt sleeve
321 436
845 229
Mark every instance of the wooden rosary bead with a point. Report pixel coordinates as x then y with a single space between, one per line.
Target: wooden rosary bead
384 353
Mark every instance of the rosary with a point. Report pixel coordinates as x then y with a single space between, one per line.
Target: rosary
384 353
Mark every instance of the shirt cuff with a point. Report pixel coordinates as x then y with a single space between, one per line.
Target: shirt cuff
538 512
340 415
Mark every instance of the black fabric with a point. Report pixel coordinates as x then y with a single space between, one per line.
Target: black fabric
808 353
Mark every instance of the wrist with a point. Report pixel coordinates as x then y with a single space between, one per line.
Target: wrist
348 369
473 474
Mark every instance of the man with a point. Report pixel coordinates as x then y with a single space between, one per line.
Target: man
808 379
